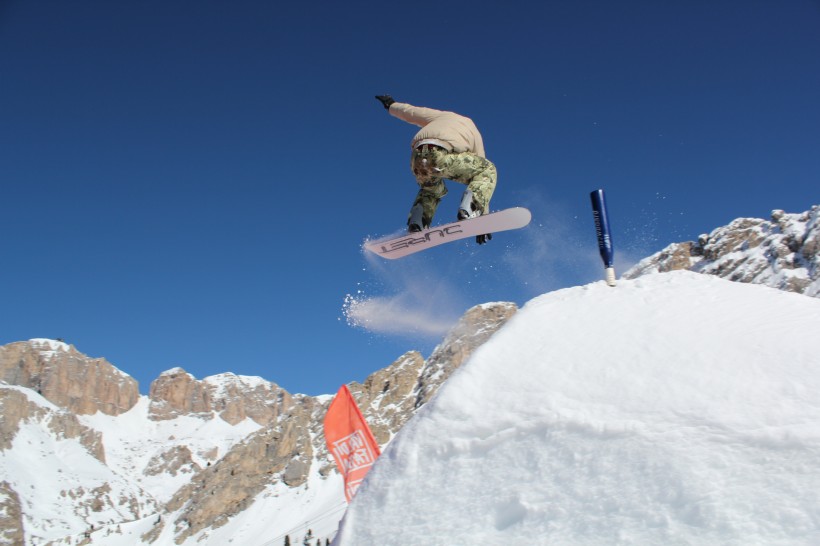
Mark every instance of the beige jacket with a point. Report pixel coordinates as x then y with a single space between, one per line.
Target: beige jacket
457 133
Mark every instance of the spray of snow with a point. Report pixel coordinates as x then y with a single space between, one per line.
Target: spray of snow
420 301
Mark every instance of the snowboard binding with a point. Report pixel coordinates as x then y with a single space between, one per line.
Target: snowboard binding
468 207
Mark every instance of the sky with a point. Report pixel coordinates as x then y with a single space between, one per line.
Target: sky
190 183
615 438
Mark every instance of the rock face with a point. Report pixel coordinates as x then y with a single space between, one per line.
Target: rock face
232 397
174 461
783 252
11 516
67 378
386 397
471 331
16 408
282 452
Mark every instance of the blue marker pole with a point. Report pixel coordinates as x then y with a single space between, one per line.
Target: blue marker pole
602 231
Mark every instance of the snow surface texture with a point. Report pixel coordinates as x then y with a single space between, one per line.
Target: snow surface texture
673 409
33 470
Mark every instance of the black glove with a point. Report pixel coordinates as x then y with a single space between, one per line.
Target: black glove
481 239
386 100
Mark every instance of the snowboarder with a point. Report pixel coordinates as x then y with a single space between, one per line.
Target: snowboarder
448 146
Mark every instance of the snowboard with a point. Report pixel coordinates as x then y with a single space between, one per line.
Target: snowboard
410 243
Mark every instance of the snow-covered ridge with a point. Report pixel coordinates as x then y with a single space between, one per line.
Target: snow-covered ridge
783 252
225 380
49 348
175 371
49 344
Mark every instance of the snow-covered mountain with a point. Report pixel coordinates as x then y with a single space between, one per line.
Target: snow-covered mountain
224 459
783 252
84 459
55 475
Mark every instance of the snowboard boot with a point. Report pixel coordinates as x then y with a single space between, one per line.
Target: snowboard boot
415 222
468 207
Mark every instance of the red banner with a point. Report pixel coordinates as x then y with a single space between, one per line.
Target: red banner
349 440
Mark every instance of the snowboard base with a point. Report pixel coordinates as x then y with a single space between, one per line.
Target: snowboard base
410 243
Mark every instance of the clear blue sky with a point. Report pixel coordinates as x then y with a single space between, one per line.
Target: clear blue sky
189 183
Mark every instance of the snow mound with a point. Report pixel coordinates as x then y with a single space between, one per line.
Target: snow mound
673 409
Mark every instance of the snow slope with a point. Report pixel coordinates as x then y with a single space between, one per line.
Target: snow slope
673 409
63 488
133 441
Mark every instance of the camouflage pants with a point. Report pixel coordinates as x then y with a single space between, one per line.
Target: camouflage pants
431 165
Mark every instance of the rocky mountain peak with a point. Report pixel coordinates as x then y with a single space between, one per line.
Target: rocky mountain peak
68 378
782 252
233 397
177 392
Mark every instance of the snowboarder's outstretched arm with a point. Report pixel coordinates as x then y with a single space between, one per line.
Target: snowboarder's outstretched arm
416 115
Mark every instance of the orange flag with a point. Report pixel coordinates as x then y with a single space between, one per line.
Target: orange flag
349 440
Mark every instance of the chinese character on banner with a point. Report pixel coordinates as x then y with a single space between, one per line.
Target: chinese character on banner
349 440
